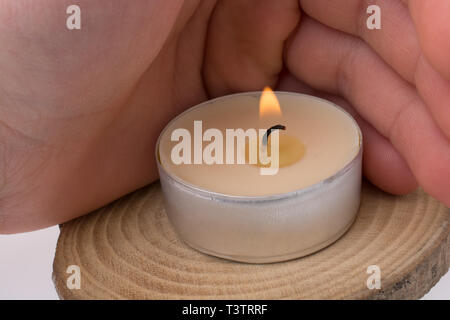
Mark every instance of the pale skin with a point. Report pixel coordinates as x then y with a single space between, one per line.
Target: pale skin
80 111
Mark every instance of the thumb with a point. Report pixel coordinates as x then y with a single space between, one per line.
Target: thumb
245 44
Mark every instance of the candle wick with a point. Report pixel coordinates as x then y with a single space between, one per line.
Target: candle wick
269 131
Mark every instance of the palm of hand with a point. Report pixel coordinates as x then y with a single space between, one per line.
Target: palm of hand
81 111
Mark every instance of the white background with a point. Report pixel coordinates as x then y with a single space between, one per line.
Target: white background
26 267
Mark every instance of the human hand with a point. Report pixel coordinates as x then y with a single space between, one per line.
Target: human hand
396 80
80 111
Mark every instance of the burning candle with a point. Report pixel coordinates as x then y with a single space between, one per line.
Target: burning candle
219 198
291 149
319 140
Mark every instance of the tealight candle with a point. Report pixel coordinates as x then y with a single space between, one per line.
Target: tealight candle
231 210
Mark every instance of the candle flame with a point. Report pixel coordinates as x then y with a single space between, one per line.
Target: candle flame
268 104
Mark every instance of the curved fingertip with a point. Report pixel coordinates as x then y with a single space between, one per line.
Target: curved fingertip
433 173
389 172
383 165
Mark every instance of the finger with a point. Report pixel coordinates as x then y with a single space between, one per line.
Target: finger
432 22
382 164
433 69
244 49
396 42
335 62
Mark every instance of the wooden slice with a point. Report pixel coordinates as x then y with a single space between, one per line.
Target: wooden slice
128 250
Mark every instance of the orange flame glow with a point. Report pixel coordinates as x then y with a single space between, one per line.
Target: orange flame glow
268 105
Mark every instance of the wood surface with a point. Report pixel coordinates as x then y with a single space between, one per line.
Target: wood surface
128 250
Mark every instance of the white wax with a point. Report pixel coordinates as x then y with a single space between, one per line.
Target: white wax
331 138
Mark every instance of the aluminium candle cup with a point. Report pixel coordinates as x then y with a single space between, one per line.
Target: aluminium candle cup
264 229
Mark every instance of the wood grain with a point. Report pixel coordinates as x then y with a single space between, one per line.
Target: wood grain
128 250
